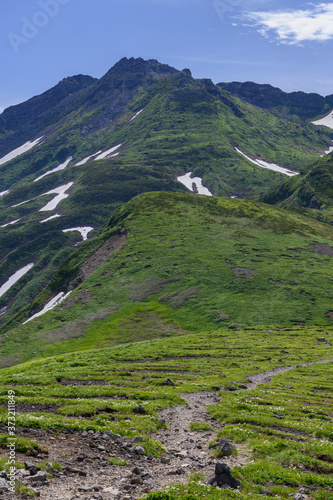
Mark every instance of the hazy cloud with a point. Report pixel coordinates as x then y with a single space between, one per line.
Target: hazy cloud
293 27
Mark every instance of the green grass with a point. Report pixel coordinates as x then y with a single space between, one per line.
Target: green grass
189 264
22 445
285 425
117 461
200 426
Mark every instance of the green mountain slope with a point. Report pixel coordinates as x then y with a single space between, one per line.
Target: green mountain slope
171 263
312 191
161 124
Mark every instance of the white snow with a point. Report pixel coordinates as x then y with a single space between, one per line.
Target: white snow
57 169
83 230
107 153
19 151
3 193
188 181
82 162
61 195
14 278
328 151
10 223
22 203
270 166
50 305
327 121
50 218
136 115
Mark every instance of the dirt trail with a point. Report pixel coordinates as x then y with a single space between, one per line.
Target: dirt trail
87 475
266 377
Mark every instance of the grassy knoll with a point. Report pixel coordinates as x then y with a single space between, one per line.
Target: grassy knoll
189 264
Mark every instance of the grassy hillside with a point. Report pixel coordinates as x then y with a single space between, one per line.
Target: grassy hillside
186 263
311 192
283 428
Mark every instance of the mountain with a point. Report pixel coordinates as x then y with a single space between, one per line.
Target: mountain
92 145
305 106
178 262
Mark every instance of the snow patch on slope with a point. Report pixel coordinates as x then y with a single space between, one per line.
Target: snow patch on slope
19 151
136 115
50 305
85 160
50 218
84 231
22 203
270 166
57 169
10 223
61 195
194 184
327 121
14 278
107 153
3 193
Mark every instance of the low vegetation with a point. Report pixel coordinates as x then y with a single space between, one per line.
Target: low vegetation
286 424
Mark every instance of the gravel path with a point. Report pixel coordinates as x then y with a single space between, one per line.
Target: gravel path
266 377
87 475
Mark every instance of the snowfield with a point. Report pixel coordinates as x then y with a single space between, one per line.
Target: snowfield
61 195
327 121
107 153
14 278
85 160
50 305
19 151
270 166
57 169
188 181
84 231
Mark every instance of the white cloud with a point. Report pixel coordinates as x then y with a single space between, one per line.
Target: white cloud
294 27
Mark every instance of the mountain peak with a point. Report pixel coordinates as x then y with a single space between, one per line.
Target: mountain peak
141 66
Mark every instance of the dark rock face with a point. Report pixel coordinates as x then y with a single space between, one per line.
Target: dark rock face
304 105
223 478
27 119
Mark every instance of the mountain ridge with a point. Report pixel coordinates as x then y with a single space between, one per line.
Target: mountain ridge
304 105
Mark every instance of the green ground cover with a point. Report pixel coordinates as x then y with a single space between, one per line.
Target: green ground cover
189 264
286 424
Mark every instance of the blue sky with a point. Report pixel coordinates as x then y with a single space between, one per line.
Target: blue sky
285 43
